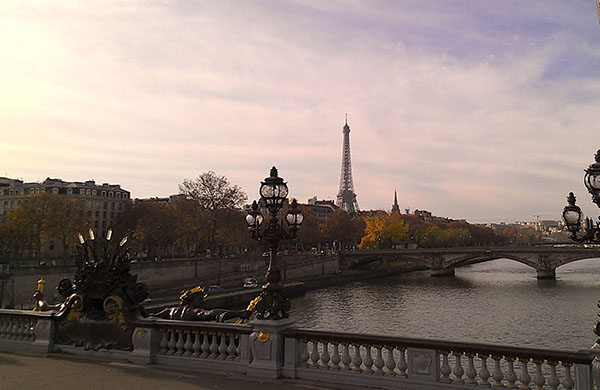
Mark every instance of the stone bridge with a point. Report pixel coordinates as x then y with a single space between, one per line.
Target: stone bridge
443 261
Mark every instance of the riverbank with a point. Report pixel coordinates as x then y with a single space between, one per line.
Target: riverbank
293 288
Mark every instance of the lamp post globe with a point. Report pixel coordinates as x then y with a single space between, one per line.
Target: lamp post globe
592 179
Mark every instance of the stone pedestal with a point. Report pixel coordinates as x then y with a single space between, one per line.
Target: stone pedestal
442 272
546 274
266 347
145 344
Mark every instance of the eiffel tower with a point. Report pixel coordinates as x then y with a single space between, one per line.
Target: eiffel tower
346 198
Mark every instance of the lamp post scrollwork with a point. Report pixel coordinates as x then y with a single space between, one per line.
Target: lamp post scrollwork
273 303
584 229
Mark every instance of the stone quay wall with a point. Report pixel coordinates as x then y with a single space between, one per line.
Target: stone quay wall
169 276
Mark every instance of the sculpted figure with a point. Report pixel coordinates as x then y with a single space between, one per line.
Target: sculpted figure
190 309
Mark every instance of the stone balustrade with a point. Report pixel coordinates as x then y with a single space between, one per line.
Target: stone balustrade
277 349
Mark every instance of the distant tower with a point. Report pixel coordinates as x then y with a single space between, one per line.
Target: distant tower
346 198
395 207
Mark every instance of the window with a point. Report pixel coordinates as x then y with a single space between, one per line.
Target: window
120 204
104 193
118 194
112 205
11 192
55 190
110 194
88 192
94 192
96 224
104 214
105 205
97 214
97 204
112 215
69 191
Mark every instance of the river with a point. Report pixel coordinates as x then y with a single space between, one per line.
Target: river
500 301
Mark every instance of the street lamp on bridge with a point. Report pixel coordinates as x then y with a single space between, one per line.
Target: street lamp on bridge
572 215
273 194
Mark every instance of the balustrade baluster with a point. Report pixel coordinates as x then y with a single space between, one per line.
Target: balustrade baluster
539 376
356 359
304 352
368 360
378 359
458 370
525 378
511 376
471 372
390 363
497 375
164 341
205 345
180 342
484 373
346 356
325 357
568 382
314 354
335 356
445 369
553 381
15 329
188 350
223 347
214 347
3 323
172 342
197 346
231 347
31 330
402 365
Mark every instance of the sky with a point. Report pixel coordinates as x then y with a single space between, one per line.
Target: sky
480 110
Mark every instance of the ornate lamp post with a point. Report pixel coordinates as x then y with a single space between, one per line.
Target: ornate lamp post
273 193
572 215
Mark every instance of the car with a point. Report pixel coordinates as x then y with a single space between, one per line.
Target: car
250 283
214 289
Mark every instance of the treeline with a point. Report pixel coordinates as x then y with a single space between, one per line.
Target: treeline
209 222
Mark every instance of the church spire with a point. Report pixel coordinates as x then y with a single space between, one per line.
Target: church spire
395 206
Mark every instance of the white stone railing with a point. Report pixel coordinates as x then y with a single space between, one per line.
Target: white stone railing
389 362
206 345
275 349
25 331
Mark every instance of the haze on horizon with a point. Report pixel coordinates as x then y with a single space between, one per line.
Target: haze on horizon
478 110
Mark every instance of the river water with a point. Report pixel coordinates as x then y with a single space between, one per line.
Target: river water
495 302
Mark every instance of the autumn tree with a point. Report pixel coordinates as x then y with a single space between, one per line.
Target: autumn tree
384 231
63 219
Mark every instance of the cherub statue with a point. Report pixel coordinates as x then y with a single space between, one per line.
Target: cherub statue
190 309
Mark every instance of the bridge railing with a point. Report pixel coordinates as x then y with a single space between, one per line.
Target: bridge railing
390 362
334 358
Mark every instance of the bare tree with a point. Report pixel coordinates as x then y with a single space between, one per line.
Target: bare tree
216 196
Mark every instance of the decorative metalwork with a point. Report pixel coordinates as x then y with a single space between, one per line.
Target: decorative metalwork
346 198
101 300
190 309
584 229
273 304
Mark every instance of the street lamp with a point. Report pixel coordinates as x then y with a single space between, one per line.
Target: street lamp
273 193
572 215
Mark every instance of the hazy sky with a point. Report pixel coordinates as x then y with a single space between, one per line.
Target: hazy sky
485 110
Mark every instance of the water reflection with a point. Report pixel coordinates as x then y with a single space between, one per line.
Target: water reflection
499 301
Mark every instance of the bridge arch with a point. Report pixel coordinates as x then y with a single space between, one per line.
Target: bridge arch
496 256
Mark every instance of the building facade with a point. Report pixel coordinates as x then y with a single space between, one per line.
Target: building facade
104 202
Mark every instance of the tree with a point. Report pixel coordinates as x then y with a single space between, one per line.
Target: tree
64 218
216 196
213 192
384 231
343 229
